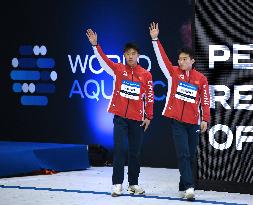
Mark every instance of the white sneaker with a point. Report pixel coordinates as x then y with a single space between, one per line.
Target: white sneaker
135 189
116 190
189 194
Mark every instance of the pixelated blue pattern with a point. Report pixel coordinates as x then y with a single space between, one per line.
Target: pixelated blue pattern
28 70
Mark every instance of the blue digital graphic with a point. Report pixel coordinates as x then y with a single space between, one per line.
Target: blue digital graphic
34 100
25 75
26 50
32 72
45 63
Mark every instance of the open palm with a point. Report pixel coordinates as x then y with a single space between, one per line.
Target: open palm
92 36
154 30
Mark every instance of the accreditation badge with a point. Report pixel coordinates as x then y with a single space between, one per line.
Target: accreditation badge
186 92
130 89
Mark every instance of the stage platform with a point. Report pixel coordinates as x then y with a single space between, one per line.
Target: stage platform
20 158
93 187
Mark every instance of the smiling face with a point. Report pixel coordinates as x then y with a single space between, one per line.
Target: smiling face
185 61
131 56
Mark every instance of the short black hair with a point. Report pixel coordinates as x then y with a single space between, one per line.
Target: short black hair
131 45
187 50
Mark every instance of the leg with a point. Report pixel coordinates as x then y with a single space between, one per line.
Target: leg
193 140
120 133
180 136
181 186
135 138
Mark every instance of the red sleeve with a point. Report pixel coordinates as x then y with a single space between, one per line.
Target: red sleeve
165 58
149 97
108 65
205 100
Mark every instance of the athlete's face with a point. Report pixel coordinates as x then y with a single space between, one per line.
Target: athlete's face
131 56
185 62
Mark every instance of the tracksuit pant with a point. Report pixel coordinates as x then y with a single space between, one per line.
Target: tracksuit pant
186 139
127 129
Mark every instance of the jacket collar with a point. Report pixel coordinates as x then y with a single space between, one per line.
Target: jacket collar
128 67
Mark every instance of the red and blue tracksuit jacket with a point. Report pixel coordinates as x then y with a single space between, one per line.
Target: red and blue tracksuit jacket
188 91
133 96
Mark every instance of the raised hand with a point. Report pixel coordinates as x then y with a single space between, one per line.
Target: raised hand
154 30
92 36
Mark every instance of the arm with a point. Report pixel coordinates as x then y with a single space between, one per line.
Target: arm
149 101
205 104
149 97
163 61
109 66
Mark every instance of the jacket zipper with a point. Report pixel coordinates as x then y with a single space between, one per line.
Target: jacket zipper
184 103
128 98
